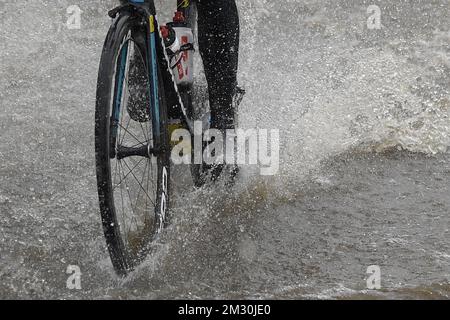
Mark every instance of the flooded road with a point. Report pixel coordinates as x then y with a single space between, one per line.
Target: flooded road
364 172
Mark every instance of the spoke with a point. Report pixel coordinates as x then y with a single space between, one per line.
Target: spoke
151 165
115 175
148 175
127 173
136 145
135 211
128 124
151 179
140 185
133 163
131 203
140 142
143 131
139 193
137 180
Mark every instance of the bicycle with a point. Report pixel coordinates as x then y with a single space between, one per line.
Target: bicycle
136 96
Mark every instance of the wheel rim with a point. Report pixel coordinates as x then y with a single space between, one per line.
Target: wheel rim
133 178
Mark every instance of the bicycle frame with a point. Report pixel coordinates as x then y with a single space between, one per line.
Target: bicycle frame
157 55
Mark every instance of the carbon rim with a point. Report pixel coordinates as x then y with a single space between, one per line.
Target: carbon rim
134 179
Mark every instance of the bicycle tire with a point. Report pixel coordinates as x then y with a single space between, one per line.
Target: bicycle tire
127 251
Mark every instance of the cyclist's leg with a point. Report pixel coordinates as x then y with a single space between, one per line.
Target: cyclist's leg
218 34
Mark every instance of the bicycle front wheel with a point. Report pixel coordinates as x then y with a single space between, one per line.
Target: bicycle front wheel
132 147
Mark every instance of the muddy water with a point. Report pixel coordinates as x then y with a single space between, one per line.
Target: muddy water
364 169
